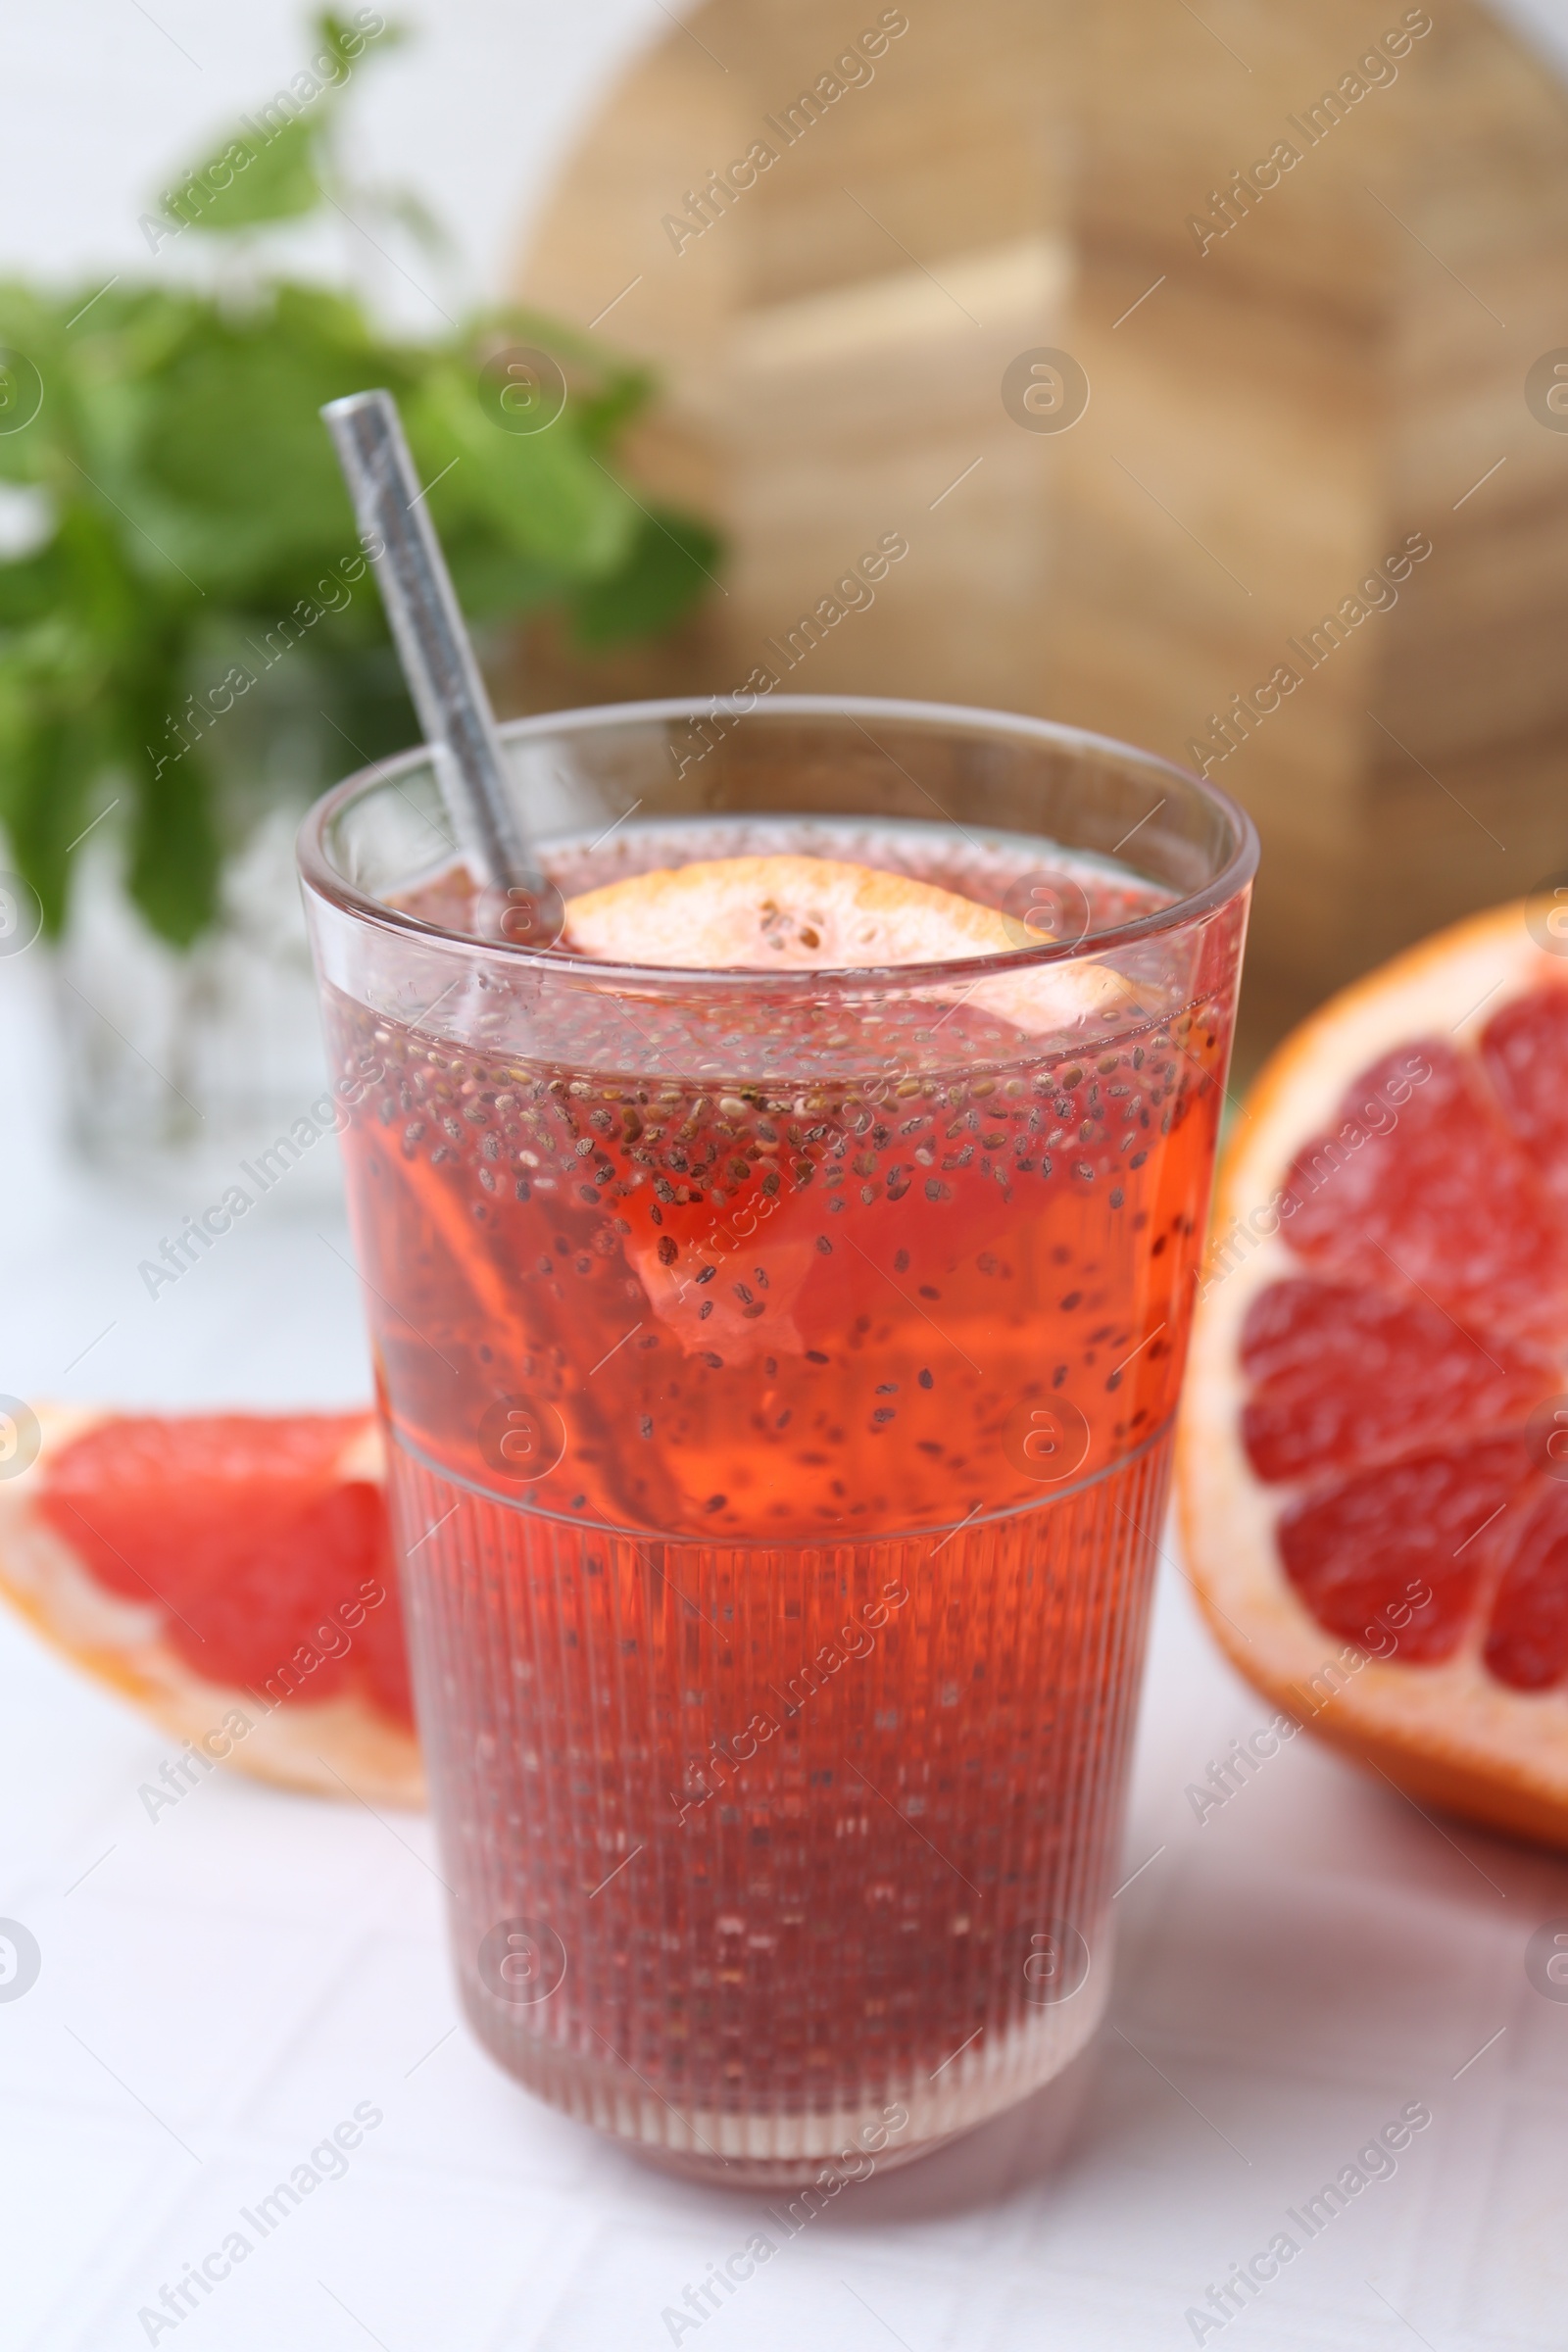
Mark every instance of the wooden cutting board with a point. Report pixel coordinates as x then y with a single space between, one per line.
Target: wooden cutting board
1302 262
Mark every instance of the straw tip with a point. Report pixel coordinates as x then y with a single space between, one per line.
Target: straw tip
356 403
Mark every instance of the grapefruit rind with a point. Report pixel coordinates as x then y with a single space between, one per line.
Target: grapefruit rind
785 913
1445 1734
326 1747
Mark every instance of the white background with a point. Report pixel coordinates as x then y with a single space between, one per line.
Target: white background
101 106
223 1985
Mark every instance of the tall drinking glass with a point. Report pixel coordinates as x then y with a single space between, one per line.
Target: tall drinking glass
778 1370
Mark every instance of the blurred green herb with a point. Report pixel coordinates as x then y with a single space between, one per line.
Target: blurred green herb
188 525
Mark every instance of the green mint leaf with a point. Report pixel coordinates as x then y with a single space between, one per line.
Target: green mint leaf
236 444
271 165
267 169
541 493
672 567
30 589
49 762
173 840
348 38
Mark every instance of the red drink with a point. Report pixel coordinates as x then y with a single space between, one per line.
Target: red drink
780 1390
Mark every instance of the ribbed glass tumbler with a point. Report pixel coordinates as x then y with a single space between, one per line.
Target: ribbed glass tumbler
778 1370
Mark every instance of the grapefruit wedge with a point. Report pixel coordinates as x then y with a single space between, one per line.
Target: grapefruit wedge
232 1575
1374 1454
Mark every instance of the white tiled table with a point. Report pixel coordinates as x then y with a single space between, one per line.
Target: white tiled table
225 1984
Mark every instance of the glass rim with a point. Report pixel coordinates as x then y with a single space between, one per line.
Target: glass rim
319 875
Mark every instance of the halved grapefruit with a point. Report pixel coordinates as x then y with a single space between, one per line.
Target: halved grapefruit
231 1574
1373 1451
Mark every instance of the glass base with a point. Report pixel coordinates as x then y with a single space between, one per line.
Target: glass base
828 2150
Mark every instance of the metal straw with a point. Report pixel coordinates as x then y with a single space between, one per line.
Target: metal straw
438 663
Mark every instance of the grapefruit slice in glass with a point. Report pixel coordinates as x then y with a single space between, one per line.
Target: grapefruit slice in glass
1373 1454
232 1575
792 914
